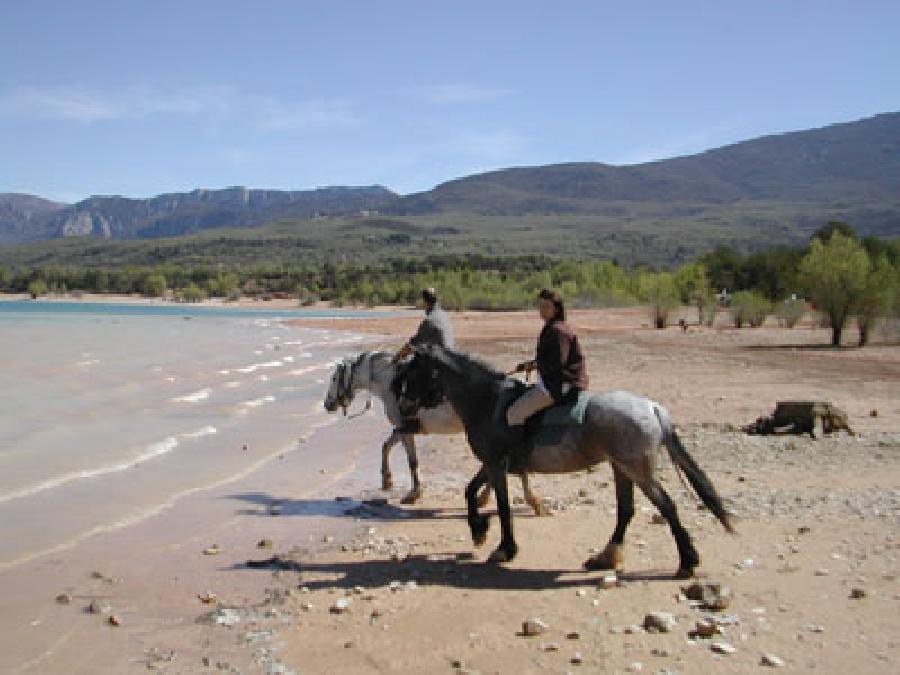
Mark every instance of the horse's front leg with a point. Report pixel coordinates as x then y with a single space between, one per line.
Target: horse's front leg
478 524
387 480
409 442
508 547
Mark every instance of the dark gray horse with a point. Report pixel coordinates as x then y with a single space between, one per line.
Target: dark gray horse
619 427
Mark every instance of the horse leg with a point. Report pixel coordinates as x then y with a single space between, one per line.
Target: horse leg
687 554
611 557
484 496
508 548
387 480
478 524
532 499
409 442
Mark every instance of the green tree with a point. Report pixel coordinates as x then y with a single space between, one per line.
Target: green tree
154 286
660 292
191 293
835 276
37 288
878 298
749 307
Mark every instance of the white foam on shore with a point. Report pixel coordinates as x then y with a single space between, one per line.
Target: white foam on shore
232 385
253 367
256 402
88 362
205 431
193 397
153 450
136 518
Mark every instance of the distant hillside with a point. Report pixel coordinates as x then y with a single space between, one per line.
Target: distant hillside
182 213
766 191
854 161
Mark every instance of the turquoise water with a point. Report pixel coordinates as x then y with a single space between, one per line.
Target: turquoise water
19 309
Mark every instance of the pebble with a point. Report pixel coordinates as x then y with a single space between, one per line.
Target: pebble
264 543
533 627
212 550
96 608
306 606
550 647
858 593
207 598
658 519
573 635
661 622
771 661
114 620
822 572
710 595
635 667
814 628
63 599
576 659
609 581
706 628
722 648
581 592
341 605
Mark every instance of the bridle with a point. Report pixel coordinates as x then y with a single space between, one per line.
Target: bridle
346 369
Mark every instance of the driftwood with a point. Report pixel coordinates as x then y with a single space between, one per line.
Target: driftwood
815 418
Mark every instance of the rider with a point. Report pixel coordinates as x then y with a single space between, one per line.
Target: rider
435 329
559 362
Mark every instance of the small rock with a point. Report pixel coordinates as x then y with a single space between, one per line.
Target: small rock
306 606
264 543
635 667
576 659
207 598
96 608
573 635
328 539
656 651
63 599
341 605
658 519
722 648
858 593
710 595
609 581
533 627
114 620
550 647
706 628
804 529
814 628
661 622
771 661
97 575
212 550
822 572
581 592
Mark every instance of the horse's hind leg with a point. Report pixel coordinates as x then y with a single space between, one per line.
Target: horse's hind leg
687 554
409 442
532 499
611 557
478 524
484 496
387 480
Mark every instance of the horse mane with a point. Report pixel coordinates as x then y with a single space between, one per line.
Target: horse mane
462 361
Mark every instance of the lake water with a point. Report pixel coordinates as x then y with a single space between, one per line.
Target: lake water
110 413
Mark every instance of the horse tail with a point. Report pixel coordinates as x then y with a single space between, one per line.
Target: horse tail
696 476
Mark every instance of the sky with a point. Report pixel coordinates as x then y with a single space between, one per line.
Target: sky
142 98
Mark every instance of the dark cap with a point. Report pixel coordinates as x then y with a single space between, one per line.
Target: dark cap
429 295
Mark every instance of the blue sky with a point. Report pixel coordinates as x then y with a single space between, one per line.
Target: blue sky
141 98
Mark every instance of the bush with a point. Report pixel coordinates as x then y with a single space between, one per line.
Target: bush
37 288
789 312
192 293
749 307
660 292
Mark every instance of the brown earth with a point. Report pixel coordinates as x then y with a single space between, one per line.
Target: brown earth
816 519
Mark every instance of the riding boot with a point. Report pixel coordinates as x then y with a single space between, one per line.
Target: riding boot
411 425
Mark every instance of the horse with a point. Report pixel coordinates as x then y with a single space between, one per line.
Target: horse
619 426
374 372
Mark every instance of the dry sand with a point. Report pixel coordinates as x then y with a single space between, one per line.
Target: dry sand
816 520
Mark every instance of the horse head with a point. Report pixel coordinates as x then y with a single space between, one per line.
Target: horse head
340 389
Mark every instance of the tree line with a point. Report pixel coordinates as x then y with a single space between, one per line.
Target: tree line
842 274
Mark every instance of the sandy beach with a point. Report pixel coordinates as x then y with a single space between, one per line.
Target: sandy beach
374 586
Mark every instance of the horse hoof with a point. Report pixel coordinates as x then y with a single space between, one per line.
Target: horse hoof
478 539
498 556
684 573
608 559
412 497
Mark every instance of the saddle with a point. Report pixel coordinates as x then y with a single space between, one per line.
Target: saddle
545 427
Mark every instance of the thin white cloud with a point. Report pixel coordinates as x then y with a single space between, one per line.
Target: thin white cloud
463 93
88 104
312 114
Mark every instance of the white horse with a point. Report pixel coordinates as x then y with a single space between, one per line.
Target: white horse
374 372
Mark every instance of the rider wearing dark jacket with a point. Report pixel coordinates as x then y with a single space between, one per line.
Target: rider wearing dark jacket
559 362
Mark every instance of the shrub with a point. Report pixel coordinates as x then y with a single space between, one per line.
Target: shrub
749 307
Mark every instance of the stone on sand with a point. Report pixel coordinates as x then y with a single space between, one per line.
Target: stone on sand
533 627
660 622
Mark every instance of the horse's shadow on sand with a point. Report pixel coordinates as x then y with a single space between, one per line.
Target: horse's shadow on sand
451 570
376 508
